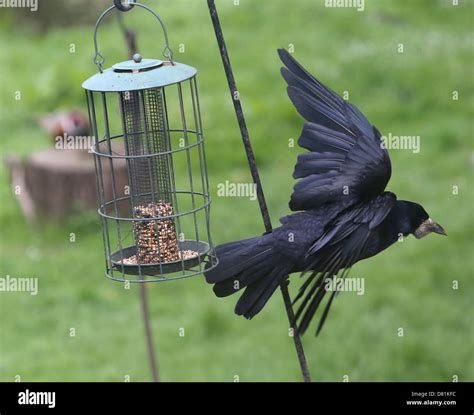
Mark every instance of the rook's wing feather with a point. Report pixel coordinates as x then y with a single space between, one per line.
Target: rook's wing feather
346 153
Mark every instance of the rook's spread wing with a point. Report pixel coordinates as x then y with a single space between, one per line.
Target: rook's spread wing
346 156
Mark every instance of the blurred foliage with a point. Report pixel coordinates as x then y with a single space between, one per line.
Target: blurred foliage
408 286
54 13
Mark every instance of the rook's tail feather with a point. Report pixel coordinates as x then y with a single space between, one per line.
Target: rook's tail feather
252 264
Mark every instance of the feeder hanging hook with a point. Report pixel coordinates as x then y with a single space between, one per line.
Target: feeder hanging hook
124 6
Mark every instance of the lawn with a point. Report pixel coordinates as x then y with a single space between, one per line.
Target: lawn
405 91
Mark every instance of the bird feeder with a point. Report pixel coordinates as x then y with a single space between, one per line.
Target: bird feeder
145 114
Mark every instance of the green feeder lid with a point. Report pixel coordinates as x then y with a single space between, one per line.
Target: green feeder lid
137 74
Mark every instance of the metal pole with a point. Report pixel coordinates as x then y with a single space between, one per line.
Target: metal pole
148 333
256 179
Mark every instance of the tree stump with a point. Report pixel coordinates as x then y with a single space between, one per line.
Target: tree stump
53 183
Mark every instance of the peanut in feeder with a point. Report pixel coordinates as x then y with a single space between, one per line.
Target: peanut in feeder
146 112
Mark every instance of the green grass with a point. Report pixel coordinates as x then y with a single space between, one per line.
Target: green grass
408 286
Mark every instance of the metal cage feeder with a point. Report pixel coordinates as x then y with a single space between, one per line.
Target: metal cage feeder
145 117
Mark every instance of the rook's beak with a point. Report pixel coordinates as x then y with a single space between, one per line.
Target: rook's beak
428 226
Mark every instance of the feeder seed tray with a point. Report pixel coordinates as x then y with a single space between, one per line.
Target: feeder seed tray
201 249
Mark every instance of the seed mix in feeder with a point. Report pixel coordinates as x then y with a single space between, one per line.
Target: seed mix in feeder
156 238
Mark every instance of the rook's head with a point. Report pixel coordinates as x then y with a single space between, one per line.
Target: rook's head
418 221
